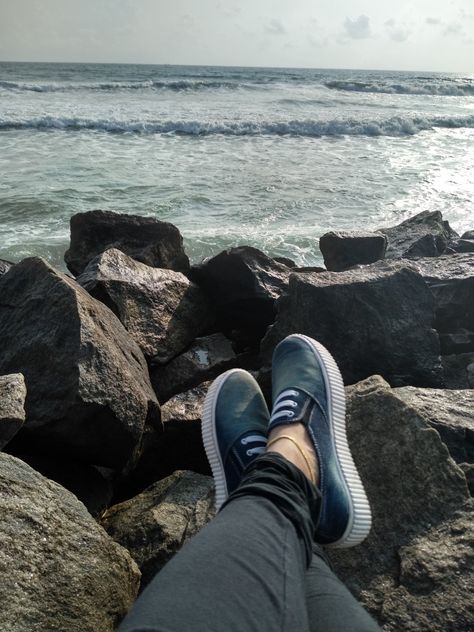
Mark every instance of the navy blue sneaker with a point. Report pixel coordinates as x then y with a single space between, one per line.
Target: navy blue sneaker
234 428
308 388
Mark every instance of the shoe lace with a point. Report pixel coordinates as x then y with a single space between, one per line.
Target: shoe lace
284 406
254 439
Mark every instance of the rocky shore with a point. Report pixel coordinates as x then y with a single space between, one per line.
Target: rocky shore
102 379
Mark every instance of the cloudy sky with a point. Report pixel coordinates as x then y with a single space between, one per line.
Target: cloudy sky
416 35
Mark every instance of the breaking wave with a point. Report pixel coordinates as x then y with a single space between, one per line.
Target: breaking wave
452 89
175 86
395 126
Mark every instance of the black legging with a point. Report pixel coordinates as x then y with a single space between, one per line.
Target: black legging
254 567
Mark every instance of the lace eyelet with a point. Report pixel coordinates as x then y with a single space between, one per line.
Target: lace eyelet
290 414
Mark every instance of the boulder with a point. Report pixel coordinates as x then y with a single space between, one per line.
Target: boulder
285 261
243 283
435 580
468 234
154 525
419 499
450 412
424 235
204 360
155 243
59 569
178 447
373 319
5 266
93 486
451 280
161 309
458 370
463 245
12 406
468 469
88 389
343 249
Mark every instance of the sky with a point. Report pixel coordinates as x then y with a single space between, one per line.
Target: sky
435 35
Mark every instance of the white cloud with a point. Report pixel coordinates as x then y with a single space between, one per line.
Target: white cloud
359 28
433 21
275 27
397 32
453 29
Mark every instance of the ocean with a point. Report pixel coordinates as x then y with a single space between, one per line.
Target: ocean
269 157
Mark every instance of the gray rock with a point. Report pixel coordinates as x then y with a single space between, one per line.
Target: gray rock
451 280
154 525
450 412
373 319
415 490
178 447
468 469
88 389
343 249
204 360
12 406
243 283
185 408
424 235
59 570
463 245
458 370
93 486
161 309
145 239
469 234
285 261
5 266
435 580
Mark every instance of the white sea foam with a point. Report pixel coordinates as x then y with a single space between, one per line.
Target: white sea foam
394 126
175 86
440 88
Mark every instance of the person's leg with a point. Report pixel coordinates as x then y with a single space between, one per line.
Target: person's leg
331 607
308 426
246 569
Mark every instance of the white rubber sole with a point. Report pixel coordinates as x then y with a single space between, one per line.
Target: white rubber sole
360 520
209 438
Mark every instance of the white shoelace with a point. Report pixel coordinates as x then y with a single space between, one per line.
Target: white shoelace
283 405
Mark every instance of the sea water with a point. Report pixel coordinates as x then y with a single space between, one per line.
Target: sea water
268 157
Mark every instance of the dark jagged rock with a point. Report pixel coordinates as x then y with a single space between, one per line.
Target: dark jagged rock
463 245
374 319
309 269
243 283
451 280
161 309
285 261
5 266
458 370
424 235
447 411
12 406
154 525
204 360
178 447
468 469
155 243
88 389
59 570
343 249
420 502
